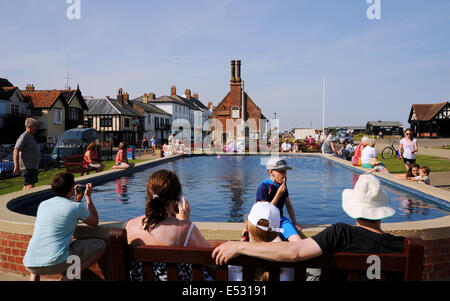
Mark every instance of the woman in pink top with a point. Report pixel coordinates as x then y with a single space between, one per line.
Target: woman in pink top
91 160
408 149
121 158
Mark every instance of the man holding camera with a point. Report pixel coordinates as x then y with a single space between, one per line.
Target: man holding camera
56 221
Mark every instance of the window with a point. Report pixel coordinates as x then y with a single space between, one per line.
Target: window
156 122
75 114
106 122
235 112
127 122
57 116
149 119
14 109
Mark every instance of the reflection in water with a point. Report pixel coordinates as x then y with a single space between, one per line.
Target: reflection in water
235 177
355 178
409 206
122 189
224 190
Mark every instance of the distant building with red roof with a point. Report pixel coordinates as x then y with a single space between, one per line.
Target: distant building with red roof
430 120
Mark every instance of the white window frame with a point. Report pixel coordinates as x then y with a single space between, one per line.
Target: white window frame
57 114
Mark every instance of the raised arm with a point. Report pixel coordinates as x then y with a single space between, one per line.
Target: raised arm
92 219
273 251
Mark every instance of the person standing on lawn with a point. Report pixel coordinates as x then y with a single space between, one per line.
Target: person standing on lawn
27 154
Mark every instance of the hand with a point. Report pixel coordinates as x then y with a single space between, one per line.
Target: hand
225 252
16 170
78 196
282 189
88 190
184 210
299 229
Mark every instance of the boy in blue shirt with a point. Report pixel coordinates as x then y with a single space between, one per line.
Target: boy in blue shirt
274 190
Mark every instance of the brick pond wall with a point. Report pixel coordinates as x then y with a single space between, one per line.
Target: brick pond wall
12 250
14 245
436 259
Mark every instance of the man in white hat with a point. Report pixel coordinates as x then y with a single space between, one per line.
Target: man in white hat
274 190
367 203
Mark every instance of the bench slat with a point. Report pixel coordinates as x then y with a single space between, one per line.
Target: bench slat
197 274
147 271
171 269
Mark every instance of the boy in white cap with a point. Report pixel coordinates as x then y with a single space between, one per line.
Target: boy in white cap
274 190
367 203
262 225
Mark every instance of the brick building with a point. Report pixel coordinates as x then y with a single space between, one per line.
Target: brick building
237 114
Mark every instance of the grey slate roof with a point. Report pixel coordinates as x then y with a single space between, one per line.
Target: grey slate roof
172 99
384 123
109 106
5 83
150 108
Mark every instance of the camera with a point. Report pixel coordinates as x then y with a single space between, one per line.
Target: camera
81 189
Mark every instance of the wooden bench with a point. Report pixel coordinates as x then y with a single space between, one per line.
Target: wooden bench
74 164
406 266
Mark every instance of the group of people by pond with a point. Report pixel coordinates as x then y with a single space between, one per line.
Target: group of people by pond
365 155
174 146
267 234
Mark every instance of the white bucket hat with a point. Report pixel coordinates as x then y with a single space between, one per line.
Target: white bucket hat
267 211
367 200
277 163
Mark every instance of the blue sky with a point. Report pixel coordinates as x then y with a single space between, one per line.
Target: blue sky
374 69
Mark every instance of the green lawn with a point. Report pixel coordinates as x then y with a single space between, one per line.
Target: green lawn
435 164
44 177
442 147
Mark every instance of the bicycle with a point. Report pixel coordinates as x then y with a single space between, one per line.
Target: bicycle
389 151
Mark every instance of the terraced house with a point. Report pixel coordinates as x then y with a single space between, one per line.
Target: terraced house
115 120
181 108
57 111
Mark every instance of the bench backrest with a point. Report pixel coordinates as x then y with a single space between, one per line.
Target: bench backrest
351 266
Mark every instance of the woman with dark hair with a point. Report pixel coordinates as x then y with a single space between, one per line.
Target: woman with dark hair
121 157
91 160
165 222
408 148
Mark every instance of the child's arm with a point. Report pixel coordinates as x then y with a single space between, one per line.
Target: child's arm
291 212
281 190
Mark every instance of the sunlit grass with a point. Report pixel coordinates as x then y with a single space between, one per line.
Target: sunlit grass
44 178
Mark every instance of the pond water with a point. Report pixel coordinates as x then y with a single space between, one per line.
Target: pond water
224 190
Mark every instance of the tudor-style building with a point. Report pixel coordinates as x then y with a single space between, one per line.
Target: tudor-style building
430 120
115 120
238 110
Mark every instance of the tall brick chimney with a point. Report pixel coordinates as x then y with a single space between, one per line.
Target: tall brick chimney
173 91
126 97
29 88
210 105
145 98
196 95
151 96
187 93
233 72
238 74
120 97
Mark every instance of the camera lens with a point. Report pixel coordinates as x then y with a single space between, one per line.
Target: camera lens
81 189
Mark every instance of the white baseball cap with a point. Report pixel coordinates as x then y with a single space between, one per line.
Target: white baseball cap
277 163
267 211
367 200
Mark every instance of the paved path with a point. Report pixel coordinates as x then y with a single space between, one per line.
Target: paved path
426 147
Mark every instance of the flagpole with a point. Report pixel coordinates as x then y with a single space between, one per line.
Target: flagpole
323 105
